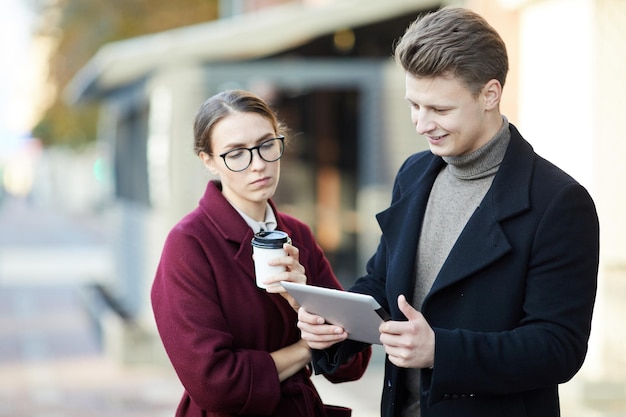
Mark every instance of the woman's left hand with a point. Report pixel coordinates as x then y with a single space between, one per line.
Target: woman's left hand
294 272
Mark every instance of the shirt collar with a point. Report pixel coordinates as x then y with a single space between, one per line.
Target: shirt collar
268 224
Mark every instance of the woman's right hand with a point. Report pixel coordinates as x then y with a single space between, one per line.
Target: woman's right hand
294 272
317 333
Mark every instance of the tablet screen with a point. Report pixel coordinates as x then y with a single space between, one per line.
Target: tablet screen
359 314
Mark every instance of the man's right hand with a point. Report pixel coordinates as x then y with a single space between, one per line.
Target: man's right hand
317 333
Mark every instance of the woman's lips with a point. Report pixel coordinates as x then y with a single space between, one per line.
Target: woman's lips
261 181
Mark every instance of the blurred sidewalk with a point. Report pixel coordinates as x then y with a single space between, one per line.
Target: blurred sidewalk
51 359
42 245
51 364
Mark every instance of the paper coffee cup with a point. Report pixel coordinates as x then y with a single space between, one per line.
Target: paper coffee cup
268 245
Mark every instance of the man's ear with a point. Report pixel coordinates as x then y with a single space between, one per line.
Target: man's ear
208 162
492 92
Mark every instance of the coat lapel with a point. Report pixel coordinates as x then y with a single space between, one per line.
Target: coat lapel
234 229
230 225
483 241
401 224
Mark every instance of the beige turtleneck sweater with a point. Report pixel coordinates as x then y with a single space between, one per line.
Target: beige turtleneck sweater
457 192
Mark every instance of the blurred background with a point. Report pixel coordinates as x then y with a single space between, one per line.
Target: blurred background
97 100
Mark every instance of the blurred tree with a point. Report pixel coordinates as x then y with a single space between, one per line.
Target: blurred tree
80 27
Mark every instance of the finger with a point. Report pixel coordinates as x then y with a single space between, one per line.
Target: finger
322 333
294 277
320 345
392 327
325 333
407 309
273 284
309 318
290 263
399 361
291 250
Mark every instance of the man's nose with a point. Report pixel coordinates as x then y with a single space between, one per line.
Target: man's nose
422 121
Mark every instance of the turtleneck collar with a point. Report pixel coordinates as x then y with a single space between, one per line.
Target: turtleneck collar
485 160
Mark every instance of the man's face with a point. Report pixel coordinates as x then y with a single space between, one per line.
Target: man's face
453 121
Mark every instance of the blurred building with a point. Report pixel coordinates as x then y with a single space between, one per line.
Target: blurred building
326 67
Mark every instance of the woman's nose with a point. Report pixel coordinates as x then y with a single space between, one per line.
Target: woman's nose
257 161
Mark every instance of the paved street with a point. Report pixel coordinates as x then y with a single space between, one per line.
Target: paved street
51 358
51 364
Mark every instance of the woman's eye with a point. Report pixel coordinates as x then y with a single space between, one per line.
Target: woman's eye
235 154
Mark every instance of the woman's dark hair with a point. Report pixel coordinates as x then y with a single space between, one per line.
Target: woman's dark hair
221 105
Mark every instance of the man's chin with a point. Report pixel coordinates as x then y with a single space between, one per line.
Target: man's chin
438 150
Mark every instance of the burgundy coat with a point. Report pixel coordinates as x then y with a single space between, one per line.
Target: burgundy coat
218 328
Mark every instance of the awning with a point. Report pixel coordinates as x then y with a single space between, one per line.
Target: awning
241 37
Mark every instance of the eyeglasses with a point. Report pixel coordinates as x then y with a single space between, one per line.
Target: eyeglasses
270 150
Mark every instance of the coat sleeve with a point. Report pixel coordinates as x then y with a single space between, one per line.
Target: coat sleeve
198 340
330 361
549 344
352 363
373 283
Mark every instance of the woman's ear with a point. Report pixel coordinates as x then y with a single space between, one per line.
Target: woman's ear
208 162
492 92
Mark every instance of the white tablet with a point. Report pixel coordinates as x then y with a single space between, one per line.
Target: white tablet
359 314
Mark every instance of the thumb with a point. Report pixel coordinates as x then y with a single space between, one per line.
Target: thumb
406 308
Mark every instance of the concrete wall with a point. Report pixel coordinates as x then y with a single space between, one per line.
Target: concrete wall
609 147
569 91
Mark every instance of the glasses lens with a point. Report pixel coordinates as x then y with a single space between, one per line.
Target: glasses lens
238 159
271 150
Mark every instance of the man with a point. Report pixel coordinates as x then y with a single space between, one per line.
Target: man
488 258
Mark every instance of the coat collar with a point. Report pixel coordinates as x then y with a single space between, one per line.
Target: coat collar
231 226
510 192
225 217
482 240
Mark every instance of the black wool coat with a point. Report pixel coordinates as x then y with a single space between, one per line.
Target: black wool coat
511 307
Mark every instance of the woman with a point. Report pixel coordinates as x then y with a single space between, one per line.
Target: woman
235 347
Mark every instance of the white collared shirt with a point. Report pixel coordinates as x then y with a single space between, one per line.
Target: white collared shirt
268 224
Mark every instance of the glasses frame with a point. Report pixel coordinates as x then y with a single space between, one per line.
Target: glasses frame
258 151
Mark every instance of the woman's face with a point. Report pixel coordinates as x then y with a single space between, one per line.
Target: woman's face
249 189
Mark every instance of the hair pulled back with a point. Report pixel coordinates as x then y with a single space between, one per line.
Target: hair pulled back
221 105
